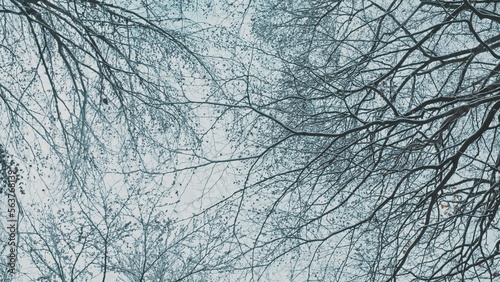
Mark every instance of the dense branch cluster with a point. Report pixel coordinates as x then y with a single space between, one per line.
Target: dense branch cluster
378 153
256 140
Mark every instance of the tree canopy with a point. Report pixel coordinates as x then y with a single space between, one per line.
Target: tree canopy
253 140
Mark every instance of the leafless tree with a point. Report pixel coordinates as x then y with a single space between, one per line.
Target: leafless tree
81 75
94 105
369 142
